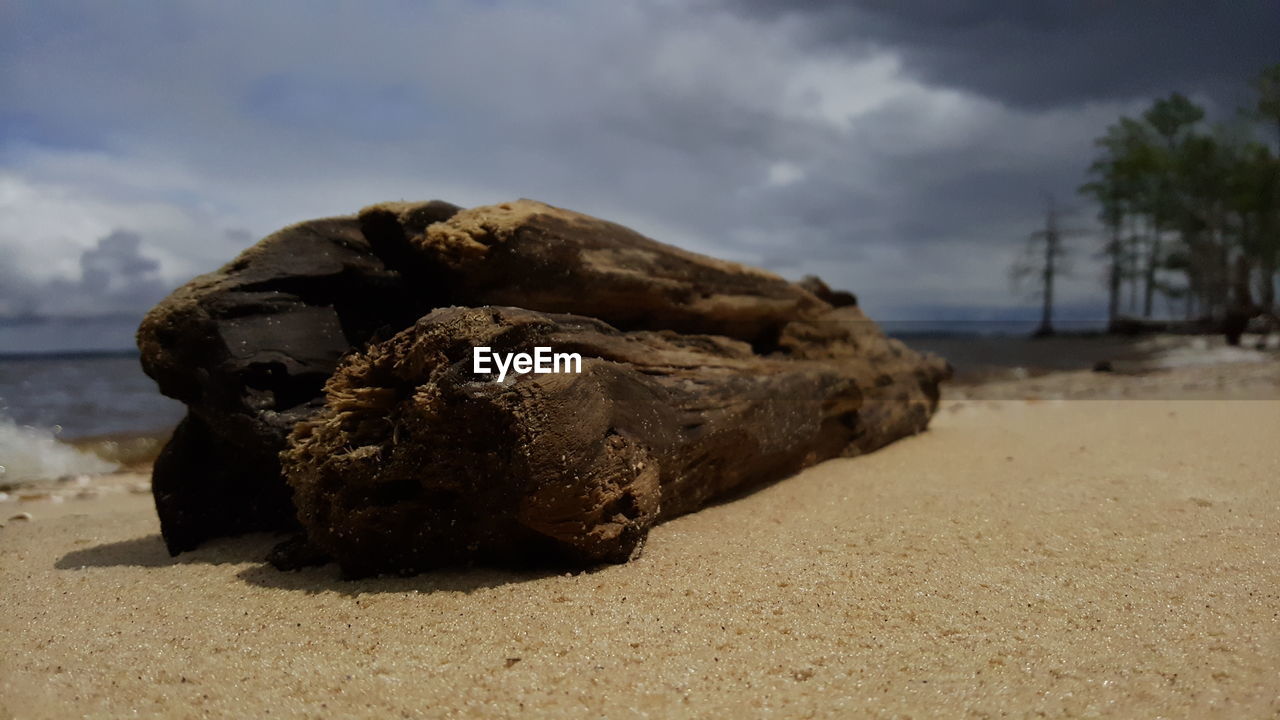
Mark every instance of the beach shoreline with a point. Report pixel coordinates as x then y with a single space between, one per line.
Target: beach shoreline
1071 544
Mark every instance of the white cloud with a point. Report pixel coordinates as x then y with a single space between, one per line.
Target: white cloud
45 226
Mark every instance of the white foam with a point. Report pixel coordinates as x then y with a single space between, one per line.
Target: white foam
30 454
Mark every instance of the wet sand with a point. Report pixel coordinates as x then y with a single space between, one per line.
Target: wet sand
1024 557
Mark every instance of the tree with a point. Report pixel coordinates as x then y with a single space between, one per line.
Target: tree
1107 191
1255 197
1042 262
1267 85
1172 119
1118 187
1127 188
1191 213
1263 187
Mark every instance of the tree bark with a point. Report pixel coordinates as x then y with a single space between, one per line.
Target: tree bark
1149 274
1115 272
1267 286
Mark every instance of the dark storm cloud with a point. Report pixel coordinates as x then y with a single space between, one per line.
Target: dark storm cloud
1043 53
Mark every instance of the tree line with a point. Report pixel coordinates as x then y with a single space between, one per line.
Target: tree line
1191 210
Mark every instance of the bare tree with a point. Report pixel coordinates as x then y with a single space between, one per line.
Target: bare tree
1042 262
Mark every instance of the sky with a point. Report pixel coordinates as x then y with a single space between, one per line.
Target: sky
901 149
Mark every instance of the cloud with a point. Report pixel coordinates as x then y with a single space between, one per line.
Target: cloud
115 278
1052 53
65 223
115 267
899 151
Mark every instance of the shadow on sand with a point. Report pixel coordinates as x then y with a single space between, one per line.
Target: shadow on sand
328 578
150 552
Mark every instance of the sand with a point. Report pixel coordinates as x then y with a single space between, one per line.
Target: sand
1024 558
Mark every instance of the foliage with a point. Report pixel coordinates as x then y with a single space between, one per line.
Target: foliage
1192 212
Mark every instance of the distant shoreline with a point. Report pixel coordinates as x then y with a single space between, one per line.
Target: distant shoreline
68 354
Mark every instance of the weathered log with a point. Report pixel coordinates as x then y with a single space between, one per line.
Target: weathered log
417 462
532 255
249 347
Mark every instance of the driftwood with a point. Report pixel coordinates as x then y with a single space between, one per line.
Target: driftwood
417 462
249 347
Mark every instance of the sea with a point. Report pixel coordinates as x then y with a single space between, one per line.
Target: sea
66 414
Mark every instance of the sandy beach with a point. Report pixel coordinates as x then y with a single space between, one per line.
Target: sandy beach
1026 556
734 359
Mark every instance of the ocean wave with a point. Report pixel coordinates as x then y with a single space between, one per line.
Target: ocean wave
29 454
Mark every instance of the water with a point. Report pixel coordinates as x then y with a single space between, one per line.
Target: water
112 334
28 454
976 358
49 402
981 358
77 396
